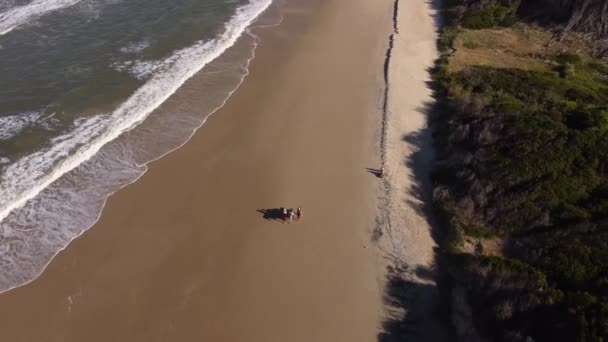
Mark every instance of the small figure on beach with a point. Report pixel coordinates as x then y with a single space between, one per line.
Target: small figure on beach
284 214
381 172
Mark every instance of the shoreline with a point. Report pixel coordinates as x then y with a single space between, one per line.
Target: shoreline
127 118
146 164
55 191
210 254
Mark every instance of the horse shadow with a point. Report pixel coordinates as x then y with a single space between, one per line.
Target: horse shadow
272 214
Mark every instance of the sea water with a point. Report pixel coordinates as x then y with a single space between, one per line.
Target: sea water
82 88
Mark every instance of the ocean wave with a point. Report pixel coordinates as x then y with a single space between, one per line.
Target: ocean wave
12 125
66 209
32 234
16 16
138 68
135 47
27 177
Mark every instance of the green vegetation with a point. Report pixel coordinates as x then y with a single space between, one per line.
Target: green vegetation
495 14
447 36
503 265
476 231
568 58
523 155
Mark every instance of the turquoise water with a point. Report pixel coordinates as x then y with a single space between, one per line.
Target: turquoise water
81 94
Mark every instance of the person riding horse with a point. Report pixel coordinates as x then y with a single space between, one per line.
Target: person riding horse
288 214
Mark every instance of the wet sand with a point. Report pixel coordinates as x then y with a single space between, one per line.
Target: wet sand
184 255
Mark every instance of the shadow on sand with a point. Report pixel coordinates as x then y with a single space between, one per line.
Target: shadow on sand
375 172
418 300
414 314
273 214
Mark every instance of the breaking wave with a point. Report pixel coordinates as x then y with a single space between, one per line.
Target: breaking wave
36 188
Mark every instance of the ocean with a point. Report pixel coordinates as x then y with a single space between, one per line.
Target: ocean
83 91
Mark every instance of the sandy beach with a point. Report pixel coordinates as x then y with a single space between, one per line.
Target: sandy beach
184 254
408 139
408 237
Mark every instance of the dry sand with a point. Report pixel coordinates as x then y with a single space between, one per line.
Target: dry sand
408 146
408 242
183 254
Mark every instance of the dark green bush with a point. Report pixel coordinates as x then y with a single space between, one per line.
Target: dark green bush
491 15
508 104
568 58
446 38
516 266
477 231
524 155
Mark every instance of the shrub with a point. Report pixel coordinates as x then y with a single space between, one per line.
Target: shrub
477 231
508 265
524 155
568 58
508 104
446 38
490 16
569 212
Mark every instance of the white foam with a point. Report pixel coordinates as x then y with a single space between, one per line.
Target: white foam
46 224
16 16
138 68
37 166
27 177
135 47
36 232
12 125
